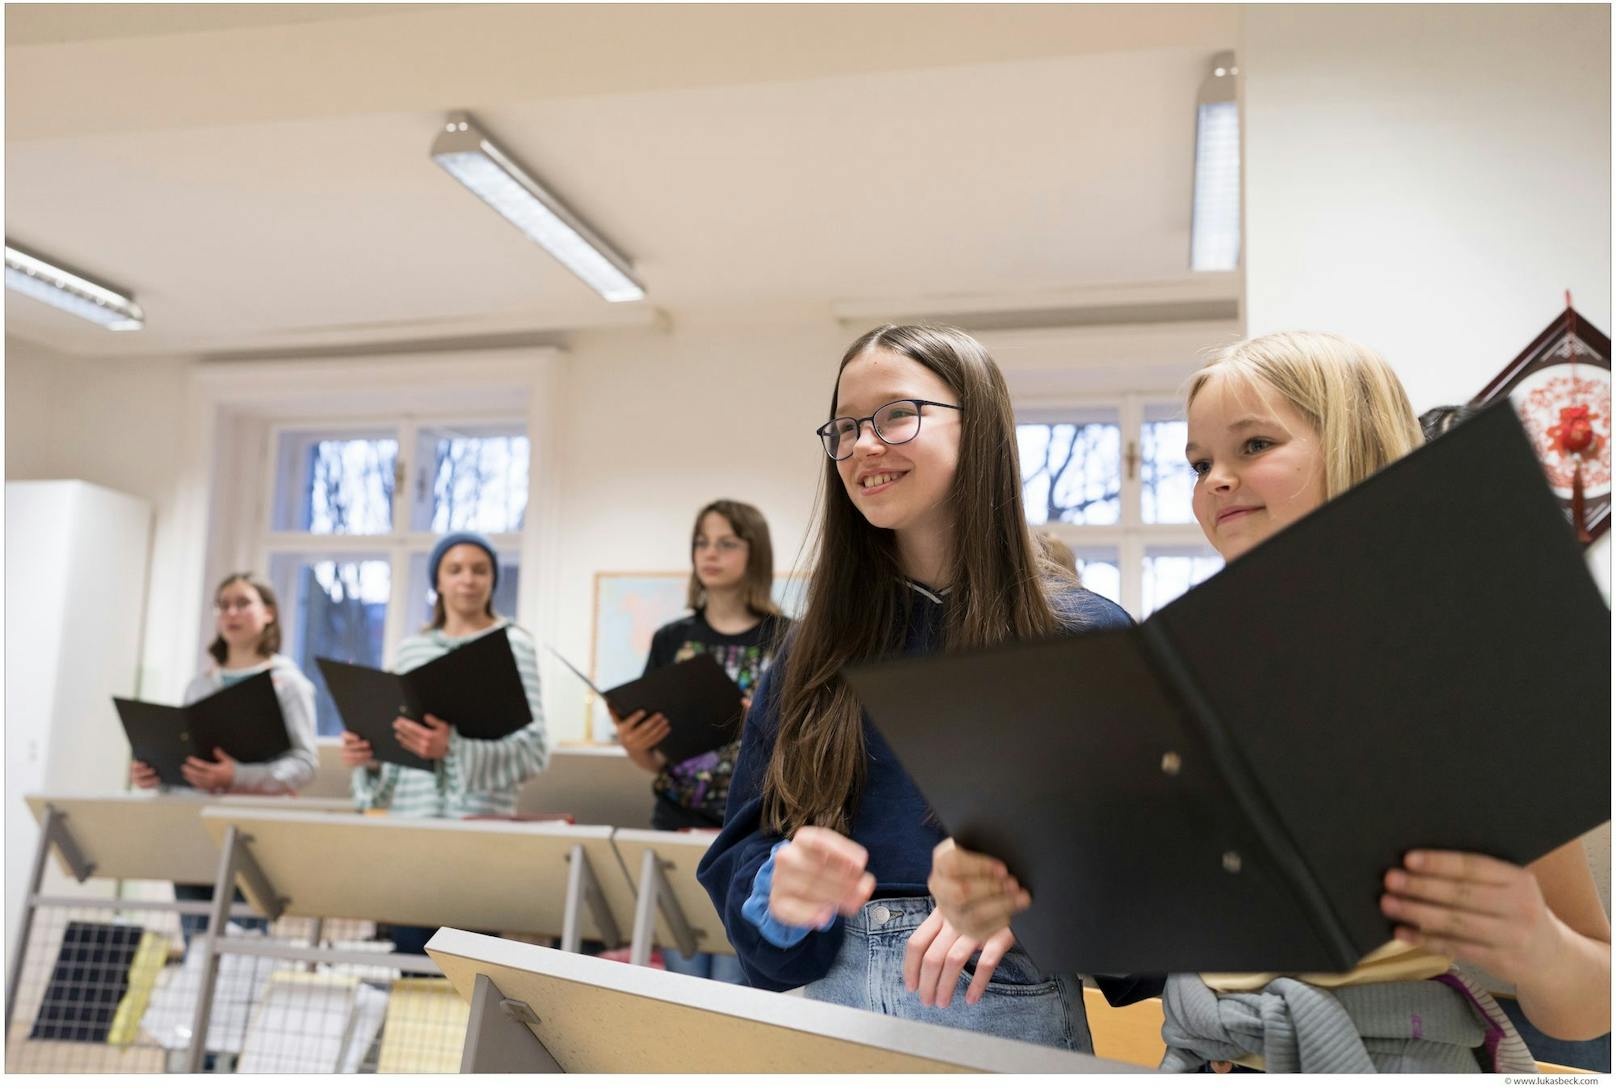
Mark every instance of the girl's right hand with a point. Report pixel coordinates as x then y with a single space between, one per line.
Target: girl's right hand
975 893
819 874
356 751
639 737
143 775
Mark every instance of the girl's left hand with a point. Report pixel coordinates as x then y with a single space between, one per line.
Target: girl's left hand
936 955
213 776
1483 910
975 892
429 742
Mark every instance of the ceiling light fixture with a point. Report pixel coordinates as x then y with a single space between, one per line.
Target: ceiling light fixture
39 279
479 164
1215 207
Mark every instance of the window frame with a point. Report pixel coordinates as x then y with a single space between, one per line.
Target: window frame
400 544
1131 536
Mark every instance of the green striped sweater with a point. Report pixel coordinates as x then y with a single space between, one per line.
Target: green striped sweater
475 777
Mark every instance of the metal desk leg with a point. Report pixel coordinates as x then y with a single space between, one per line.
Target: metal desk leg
583 888
235 859
52 833
656 895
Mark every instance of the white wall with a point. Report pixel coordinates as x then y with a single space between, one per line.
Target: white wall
1428 180
116 423
656 424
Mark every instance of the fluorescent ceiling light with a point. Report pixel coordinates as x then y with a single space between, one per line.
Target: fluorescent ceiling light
69 291
498 180
1215 214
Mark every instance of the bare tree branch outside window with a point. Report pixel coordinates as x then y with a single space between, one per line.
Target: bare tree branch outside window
1071 472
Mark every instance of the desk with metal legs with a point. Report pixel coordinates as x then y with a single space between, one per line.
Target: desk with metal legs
544 1010
517 877
130 837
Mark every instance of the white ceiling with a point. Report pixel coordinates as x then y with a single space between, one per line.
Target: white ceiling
258 175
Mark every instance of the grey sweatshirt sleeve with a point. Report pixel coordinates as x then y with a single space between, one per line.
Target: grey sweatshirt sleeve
295 769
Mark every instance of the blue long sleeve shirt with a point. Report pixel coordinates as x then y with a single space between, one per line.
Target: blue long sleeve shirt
889 820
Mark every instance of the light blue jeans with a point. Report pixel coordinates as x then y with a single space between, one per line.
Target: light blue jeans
1020 1004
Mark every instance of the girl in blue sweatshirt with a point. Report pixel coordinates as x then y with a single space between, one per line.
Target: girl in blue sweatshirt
820 870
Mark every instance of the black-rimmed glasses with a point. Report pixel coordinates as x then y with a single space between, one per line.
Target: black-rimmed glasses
893 423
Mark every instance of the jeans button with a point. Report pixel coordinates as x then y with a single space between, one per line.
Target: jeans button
879 915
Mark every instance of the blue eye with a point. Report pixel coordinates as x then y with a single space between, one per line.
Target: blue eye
1257 446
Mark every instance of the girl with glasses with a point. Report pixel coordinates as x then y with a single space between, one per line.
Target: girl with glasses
246 642
735 620
820 870
1278 425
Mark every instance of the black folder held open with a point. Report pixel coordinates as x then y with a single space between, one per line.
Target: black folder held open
244 719
700 701
475 688
1423 662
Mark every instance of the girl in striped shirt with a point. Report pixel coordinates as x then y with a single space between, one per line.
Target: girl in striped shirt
471 777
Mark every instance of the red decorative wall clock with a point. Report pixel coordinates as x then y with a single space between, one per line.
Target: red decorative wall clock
1560 386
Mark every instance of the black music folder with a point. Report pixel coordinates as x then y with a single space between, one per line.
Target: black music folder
475 688
1423 662
244 719
701 702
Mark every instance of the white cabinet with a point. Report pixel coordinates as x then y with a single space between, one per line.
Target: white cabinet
76 562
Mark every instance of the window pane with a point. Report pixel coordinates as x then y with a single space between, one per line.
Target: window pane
470 478
330 483
1165 480
421 595
1100 571
337 609
1171 571
1071 472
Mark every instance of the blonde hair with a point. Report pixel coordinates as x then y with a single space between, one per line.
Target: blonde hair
1346 391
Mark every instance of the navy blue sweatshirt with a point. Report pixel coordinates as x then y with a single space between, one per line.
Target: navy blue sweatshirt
889 820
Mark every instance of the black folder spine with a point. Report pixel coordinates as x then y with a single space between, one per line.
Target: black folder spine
1259 812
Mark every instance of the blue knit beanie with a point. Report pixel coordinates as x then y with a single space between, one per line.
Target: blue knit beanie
459 539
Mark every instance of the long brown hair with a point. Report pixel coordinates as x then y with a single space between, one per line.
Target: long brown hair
269 640
857 602
757 584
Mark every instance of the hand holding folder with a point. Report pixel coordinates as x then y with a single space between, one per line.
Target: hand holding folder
243 719
1224 787
476 688
700 701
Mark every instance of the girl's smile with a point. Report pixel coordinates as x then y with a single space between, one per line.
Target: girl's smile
903 487
1257 462
878 481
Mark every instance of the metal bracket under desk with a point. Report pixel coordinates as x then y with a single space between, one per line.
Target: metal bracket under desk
583 888
498 1037
655 894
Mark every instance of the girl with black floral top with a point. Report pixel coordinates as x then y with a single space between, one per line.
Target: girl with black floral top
734 619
